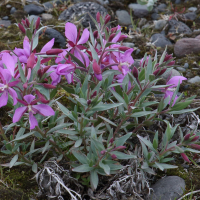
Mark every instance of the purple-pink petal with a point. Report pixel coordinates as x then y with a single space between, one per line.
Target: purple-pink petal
98 76
64 69
77 54
32 120
85 36
19 113
175 80
44 110
5 75
8 60
29 98
4 99
48 45
13 94
71 32
11 84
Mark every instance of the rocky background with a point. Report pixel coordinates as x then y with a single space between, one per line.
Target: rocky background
172 23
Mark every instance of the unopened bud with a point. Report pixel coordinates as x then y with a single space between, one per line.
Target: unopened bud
31 61
119 147
135 72
123 48
195 139
89 102
25 85
54 51
22 29
187 137
114 156
23 22
46 68
40 73
94 94
49 86
195 146
98 17
111 141
37 23
159 72
103 152
107 18
95 34
27 23
111 37
113 30
185 157
122 37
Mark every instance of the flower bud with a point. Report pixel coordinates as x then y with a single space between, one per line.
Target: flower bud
23 22
46 68
113 30
111 141
25 85
114 156
95 34
123 48
31 61
185 157
107 18
187 137
37 23
89 102
159 72
54 51
111 37
119 148
40 73
195 146
49 86
103 152
135 72
94 94
195 139
98 17
27 23
122 37
22 29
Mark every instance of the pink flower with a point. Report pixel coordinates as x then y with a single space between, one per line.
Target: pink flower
29 105
97 70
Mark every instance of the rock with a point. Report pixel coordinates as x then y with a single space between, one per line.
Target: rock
5 23
191 16
178 27
135 6
137 51
169 74
196 79
177 1
8 6
160 40
192 9
142 22
181 69
30 1
5 18
155 16
33 9
186 46
160 24
128 44
198 37
11 194
124 18
80 10
33 17
49 4
162 7
46 16
12 10
186 66
167 188
140 13
59 38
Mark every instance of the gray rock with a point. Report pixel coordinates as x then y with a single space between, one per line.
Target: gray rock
167 188
128 44
8 6
137 51
181 69
123 17
141 13
12 10
30 1
171 73
160 24
46 16
5 23
142 22
192 9
160 40
49 4
135 6
186 46
162 7
186 66
178 27
191 16
33 9
196 79
177 1
33 17
155 16
5 18
80 10
59 38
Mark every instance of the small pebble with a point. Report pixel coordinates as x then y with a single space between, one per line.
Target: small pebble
5 18
181 69
177 1
12 10
8 6
155 16
186 65
192 9
137 51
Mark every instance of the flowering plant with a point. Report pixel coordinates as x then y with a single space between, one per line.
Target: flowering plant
109 102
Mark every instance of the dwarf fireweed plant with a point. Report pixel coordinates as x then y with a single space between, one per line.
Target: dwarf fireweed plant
109 102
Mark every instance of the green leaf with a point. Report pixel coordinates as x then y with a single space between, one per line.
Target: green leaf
122 156
13 161
34 167
75 59
21 72
78 142
105 167
94 179
107 120
43 90
98 144
82 168
23 136
80 157
147 142
20 132
183 111
180 105
155 141
67 132
58 127
143 113
94 53
121 141
163 166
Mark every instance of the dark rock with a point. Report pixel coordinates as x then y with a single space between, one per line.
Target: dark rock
192 9
170 187
33 17
123 17
160 24
162 7
5 23
49 4
141 13
181 69
186 65
12 10
195 79
186 46
155 16
5 18
177 1
178 27
136 6
160 40
33 9
191 16
137 51
59 38
80 10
